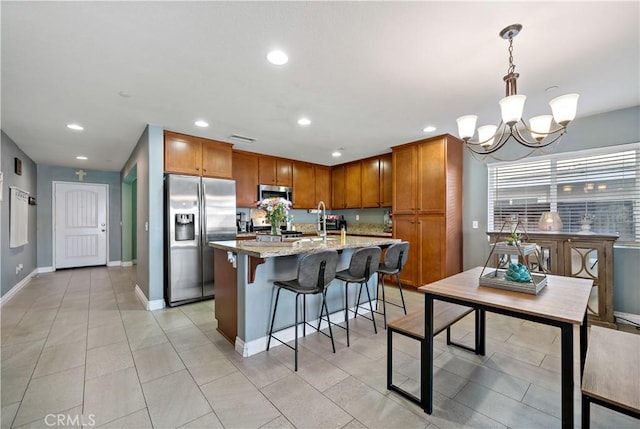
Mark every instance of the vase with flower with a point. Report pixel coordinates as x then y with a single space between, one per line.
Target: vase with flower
277 209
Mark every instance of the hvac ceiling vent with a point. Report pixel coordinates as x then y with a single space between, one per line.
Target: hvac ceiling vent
242 139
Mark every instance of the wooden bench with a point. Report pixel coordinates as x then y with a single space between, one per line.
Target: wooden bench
445 314
611 376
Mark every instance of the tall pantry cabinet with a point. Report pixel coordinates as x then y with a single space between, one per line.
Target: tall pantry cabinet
427 207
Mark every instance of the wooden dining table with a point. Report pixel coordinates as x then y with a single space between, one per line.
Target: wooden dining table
562 303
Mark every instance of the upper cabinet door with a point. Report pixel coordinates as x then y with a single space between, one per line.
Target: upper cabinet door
353 185
371 182
283 172
303 186
245 173
337 187
432 177
404 186
216 159
386 181
267 170
322 185
182 154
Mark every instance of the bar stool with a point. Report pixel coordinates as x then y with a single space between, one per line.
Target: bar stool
315 272
394 260
364 263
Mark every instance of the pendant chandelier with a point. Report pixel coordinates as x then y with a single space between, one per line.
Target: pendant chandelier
491 138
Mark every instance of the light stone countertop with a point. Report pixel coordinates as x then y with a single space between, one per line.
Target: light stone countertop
367 229
299 246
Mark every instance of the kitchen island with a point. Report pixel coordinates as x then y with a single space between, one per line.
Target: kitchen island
244 291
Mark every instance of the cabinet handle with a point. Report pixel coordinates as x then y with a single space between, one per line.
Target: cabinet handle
197 168
204 169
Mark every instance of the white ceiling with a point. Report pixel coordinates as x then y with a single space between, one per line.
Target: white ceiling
369 75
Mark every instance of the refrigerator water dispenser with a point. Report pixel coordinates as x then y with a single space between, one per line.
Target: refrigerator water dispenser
185 227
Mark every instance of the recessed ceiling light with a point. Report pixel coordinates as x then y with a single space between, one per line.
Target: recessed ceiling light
336 154
277 57
124 94
81 158
201 124
304 121
75 127
429 129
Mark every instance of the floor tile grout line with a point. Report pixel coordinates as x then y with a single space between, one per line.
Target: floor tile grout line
40 354
144 398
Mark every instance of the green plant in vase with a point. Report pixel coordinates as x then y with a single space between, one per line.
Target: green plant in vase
514 238
277 210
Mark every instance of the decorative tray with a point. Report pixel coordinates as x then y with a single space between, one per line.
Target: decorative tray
525 249
496 279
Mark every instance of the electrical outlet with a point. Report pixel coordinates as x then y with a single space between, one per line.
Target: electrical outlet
357 217
146 226
475 224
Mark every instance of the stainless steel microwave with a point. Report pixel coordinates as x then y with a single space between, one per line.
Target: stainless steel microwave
269 191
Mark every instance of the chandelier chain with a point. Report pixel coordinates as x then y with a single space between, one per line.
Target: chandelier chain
512 67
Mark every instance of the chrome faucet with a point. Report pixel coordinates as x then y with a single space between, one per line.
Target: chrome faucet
322 226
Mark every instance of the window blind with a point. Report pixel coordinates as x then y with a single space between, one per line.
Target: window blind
594 190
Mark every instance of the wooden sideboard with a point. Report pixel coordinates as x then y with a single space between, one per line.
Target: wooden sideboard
588 256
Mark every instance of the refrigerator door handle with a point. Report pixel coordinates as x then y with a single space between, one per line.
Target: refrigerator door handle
203 213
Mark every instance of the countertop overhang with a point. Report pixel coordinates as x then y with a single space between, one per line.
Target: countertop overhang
302 246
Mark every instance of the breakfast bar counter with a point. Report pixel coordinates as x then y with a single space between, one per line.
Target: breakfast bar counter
244 292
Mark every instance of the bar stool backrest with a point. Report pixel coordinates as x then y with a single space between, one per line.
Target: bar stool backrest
358 266
317 270
397 255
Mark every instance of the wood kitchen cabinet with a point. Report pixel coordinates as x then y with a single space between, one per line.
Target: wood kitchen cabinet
588 256
184 154
427 207
386 181
274 171
353 185
377 188
404 179
245 173
304 177
322 186
337 188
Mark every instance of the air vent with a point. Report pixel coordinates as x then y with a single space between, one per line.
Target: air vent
242 138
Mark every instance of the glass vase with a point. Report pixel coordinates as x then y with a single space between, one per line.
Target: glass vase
275 228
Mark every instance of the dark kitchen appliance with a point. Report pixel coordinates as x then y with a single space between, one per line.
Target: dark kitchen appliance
335 222
197 210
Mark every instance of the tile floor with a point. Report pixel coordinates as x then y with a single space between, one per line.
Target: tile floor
78 349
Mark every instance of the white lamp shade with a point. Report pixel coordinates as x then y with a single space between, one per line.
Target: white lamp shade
487 135
550 221
564 108
540 126
466 126
512 107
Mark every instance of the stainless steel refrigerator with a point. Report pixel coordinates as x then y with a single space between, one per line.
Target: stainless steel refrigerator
197 210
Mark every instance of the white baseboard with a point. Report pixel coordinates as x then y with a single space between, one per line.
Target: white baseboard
635 318
126 264
114 263
14 290
256 346
42 270
157 304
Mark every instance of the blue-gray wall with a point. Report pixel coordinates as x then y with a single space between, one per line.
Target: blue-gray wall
147 161
606 129
25 255
47 174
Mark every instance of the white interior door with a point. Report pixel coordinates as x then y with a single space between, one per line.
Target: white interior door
80 224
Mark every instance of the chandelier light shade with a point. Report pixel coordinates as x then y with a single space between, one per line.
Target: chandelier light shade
541 132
